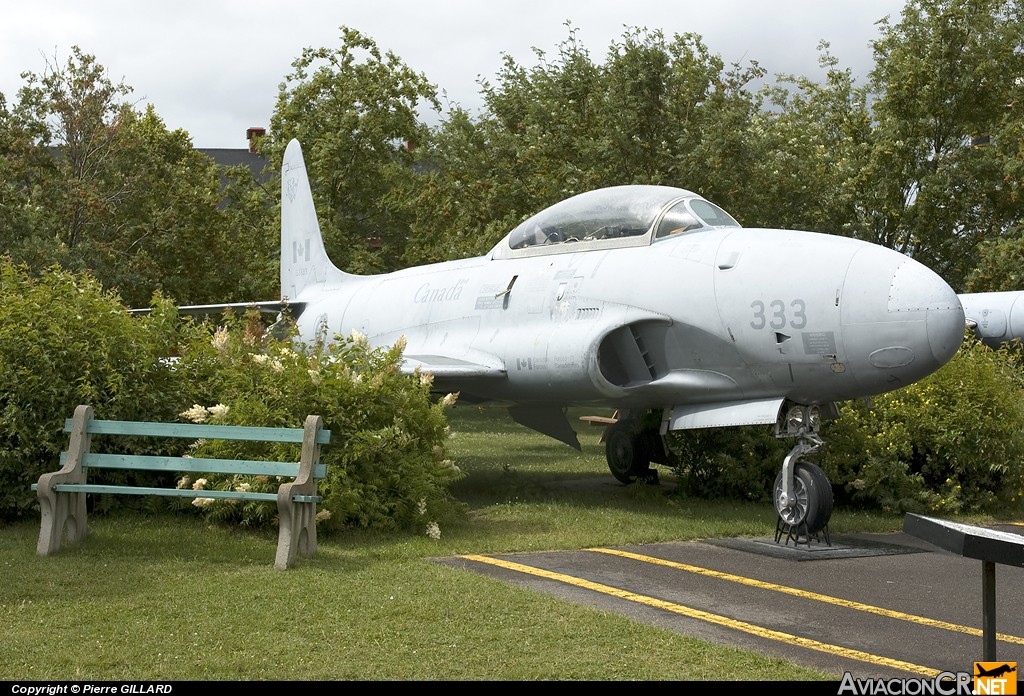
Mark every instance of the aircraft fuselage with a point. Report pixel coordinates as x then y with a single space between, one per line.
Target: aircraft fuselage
715 315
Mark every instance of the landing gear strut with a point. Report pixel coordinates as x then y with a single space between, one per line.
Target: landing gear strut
802 494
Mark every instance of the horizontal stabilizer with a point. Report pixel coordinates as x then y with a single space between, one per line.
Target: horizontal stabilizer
269 307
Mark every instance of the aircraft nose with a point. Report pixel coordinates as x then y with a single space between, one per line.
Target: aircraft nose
915 289
901 321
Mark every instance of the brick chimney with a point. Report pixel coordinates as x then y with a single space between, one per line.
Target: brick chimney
252 134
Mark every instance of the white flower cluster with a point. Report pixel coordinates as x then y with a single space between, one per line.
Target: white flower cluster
264 359
359 338
219 410
196 414
200 414
220 339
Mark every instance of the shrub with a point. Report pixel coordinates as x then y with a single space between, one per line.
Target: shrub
64 341
386 462
739 463
951 443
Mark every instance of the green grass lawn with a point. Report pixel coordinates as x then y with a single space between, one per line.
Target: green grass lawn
166 598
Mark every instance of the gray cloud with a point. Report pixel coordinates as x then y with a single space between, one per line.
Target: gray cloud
213 67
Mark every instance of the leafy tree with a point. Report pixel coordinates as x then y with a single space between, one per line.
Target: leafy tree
999 265
535 144
814 140
250 212
944 75
355 109
657 111
94 185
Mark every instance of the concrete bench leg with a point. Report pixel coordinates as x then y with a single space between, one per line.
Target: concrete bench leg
297 534
298 520
63 516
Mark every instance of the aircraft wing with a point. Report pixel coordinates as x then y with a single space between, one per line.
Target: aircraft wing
448 368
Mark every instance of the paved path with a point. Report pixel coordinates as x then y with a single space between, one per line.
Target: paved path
877 606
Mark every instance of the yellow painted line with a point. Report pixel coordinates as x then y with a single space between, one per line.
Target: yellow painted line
682 610
924 621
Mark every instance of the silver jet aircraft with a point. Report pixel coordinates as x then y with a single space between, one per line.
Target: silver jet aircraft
652 301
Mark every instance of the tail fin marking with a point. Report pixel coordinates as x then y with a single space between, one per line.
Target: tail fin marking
304 261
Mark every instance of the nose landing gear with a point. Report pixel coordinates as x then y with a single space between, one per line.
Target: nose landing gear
802 494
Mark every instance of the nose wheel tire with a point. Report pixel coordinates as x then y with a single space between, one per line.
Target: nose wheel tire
811 503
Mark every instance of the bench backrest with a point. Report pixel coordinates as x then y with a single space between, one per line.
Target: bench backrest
196 431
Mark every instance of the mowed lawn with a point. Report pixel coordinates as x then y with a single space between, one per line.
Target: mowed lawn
167 597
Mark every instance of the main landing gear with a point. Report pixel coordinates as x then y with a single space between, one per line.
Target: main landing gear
630 448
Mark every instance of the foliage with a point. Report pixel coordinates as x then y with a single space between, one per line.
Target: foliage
945 173
951 443
248 264
92 184
64 341
355 109
659 110
999 265
737 463
815 139
386 465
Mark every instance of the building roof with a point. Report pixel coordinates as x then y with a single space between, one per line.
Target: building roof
233 157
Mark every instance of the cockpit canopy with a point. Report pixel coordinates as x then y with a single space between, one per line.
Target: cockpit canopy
612 217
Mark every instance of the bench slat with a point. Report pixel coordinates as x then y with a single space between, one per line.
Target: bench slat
175 492
198 431
195 465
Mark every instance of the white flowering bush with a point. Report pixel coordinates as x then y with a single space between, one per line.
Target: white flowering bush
387 464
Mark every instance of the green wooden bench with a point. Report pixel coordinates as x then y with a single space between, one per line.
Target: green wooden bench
62 493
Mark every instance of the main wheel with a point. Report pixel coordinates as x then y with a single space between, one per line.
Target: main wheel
626 454
812 498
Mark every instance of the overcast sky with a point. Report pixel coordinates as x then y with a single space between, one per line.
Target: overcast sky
212 67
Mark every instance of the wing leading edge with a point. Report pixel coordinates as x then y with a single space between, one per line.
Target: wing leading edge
452 368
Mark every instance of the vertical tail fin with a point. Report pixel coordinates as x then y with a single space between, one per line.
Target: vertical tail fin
304 261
